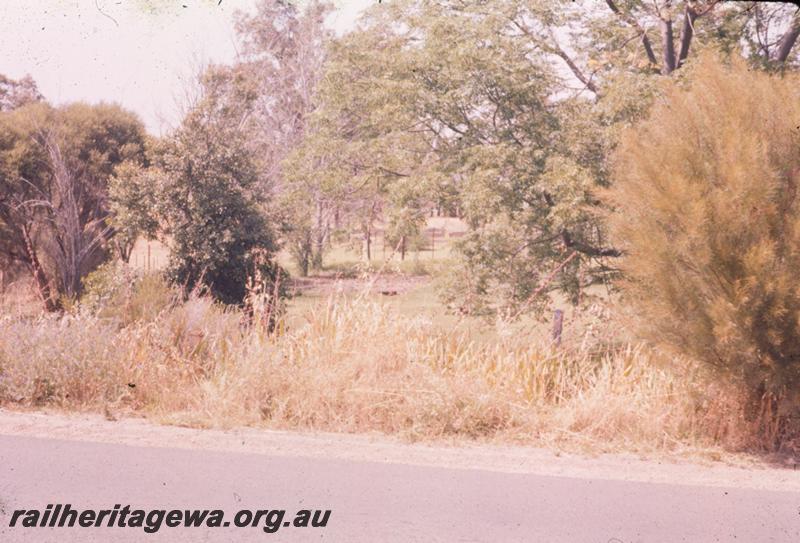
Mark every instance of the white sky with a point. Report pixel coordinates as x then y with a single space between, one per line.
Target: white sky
141 59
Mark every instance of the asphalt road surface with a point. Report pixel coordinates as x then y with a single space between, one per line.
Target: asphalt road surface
370 501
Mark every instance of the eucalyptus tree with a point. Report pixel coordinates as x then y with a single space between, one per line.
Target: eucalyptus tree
17 93
283 49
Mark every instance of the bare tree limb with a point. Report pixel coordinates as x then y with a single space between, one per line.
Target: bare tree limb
76 241
667 46
687 33
576 71
42 284
544 284
788 39
557 50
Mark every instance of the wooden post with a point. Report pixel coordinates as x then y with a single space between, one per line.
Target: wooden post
433 243
558 323
148 256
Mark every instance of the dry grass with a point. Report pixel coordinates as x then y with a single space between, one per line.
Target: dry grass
355 366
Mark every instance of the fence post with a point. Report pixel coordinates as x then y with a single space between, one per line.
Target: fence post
558 323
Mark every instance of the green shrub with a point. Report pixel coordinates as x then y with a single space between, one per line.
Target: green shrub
209 203
707 211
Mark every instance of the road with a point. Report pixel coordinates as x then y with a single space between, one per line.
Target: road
372 501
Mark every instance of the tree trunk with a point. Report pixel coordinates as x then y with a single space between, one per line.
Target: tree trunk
319 238
42 285
558 324
687 33
788 40
124 249
304 264
648 48
668 45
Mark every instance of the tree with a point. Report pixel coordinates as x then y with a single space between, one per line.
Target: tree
207 196
433 96
14 94
283 51
55 165
516 106
659 37
351 154
710 223
132 194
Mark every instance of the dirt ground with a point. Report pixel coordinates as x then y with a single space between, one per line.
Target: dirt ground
375 448
387 285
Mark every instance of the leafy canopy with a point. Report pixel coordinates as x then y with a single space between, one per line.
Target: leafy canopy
204 186
55 170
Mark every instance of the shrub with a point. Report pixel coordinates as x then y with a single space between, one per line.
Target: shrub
119 292
707 210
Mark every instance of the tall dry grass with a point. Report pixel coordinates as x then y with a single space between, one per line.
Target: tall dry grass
355 366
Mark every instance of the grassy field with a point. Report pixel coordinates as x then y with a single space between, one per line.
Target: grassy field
346 270
343 258
351 361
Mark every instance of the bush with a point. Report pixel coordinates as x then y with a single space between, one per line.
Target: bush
707 210
119 292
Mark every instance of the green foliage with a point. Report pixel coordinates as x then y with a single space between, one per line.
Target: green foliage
132 195
298 228
284 50
432 102
706 207
55 167
505 112
207 198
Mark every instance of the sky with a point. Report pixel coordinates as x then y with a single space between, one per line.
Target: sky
141 54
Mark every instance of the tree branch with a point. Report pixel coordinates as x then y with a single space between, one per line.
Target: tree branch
544 284
788 39
648 47
558 51
687 33
586 249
